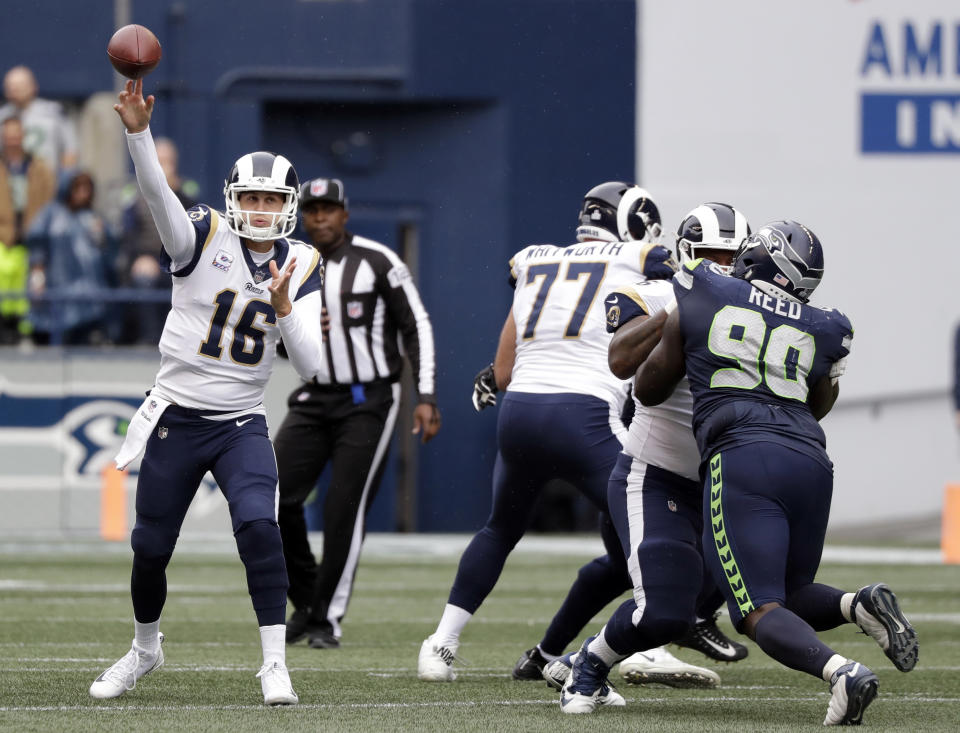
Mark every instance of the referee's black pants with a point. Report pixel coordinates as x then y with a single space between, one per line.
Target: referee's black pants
325 424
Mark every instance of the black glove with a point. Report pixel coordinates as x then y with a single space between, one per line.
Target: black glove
484 389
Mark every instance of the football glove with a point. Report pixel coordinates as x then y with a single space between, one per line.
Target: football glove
484 389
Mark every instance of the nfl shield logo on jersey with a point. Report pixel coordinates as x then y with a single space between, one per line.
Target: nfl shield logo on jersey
354 309
162 433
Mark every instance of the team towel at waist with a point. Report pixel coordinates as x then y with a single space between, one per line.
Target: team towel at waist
139 430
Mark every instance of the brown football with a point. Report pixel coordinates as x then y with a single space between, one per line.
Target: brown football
134 51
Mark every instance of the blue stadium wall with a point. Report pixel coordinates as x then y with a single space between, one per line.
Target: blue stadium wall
478 125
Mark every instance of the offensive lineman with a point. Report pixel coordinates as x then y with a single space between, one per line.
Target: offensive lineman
560 417
654 491
238 284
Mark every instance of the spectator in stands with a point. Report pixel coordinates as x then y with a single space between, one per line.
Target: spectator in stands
48 133
138 263
26 185
70 248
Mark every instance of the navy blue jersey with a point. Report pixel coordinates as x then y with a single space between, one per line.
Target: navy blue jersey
751 360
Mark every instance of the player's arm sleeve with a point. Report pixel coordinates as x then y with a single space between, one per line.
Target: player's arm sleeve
300 331
176 231
403 303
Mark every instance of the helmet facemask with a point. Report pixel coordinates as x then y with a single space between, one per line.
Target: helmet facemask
265 173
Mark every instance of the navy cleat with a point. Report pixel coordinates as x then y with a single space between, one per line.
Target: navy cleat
876 611
587 686
530 665
706 638
852 688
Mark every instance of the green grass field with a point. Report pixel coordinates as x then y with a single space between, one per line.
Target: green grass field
65 615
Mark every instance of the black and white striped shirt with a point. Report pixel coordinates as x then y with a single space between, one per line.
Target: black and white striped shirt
375 317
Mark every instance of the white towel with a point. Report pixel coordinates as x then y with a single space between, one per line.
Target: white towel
138 432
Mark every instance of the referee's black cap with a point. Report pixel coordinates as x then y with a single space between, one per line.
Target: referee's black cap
323 189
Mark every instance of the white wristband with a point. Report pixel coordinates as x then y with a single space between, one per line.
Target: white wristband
670 307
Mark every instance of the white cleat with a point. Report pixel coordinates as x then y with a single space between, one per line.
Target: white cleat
435 664
587 686
123 675
658 666
276 685
878 614
852 688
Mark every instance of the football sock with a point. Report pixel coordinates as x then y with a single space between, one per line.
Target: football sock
833 664
451 625
273 640
147 636
547 655
819 605
846 606
597 584
791 641
600 648
261 551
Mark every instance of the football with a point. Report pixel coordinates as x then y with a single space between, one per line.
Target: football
134 51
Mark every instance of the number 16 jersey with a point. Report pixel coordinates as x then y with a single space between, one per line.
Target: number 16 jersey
220 338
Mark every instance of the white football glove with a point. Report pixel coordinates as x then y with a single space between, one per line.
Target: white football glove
837 369
484 389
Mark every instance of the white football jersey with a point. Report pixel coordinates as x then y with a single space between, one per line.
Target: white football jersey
661 435
558 308
220 338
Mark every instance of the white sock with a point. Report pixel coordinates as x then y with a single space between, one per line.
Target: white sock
147 636
600 647
833 664
273 639
451 624
846 606
545 655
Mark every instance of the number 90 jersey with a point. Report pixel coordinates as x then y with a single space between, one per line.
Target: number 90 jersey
751 360
220 337
558 308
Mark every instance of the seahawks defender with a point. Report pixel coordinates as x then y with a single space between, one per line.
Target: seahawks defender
238 284
560 417
763 366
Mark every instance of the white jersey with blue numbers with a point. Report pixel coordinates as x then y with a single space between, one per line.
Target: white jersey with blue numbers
560 318
220 338
662 435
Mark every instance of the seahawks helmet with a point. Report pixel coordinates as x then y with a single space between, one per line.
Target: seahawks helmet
711 226
783 259
262 171
618 212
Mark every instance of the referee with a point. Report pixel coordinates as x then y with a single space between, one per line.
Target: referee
371 316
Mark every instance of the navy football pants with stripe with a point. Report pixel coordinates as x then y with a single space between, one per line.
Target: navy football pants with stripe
765 517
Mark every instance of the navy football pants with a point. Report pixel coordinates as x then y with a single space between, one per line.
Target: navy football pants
182 448
541 437
765 517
